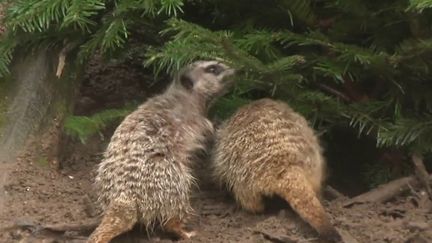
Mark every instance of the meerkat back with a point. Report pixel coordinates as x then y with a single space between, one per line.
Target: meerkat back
267 149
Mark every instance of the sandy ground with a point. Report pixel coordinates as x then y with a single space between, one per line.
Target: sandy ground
39 194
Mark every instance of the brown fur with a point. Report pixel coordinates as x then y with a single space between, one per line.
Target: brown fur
145 176
267 149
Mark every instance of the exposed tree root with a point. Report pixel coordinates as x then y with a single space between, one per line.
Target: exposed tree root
421 173
386 192
333 193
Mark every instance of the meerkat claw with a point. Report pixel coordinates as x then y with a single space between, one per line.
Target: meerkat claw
190 234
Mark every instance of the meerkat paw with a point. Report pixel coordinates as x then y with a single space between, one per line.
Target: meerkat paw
175 226
190 234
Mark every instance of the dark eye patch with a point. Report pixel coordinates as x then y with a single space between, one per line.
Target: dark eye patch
186 81
214 69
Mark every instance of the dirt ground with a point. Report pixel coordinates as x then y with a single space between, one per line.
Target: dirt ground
38 193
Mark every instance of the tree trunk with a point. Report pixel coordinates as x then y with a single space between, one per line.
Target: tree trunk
33 105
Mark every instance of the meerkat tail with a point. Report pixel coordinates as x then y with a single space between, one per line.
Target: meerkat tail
118 218
299 193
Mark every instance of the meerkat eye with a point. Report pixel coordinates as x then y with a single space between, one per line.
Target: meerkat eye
214 69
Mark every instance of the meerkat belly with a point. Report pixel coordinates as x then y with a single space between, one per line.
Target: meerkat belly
158 185
164 193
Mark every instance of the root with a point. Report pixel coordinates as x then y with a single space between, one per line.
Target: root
333 193
385 192
421 173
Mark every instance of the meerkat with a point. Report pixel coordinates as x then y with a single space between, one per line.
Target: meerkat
145 175
268 149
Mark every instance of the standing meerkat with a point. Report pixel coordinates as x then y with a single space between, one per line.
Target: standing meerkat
267 149
145 176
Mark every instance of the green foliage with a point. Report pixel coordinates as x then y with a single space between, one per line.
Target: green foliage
407 131
358 64
90 25
227 106
6 50
83 127
378 85
419 5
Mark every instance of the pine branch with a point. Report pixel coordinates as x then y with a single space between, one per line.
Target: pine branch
82 127
406 131
419 5
171 7
7 47
299 9
80 14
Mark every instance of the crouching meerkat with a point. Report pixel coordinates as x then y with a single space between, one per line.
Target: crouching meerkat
145 175
267 149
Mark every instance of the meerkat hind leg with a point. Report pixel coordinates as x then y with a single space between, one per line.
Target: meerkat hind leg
175 226
250 201
118 218
299 193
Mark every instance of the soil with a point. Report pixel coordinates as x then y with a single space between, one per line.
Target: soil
39 192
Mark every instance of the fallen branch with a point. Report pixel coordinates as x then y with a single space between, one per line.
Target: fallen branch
62 56
385 192
421 173
333 193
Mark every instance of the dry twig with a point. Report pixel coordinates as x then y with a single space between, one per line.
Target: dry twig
385 192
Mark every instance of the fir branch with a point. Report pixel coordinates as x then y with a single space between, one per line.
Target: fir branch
419 5
171 7
258 43
35 15
7 46
299 9
190 42
112 35
406 131
82 127
285 64
79 13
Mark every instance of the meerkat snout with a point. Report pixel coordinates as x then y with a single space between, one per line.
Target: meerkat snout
209 78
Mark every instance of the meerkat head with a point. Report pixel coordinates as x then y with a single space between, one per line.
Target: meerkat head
207 78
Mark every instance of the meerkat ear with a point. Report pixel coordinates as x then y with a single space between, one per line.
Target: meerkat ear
186 81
